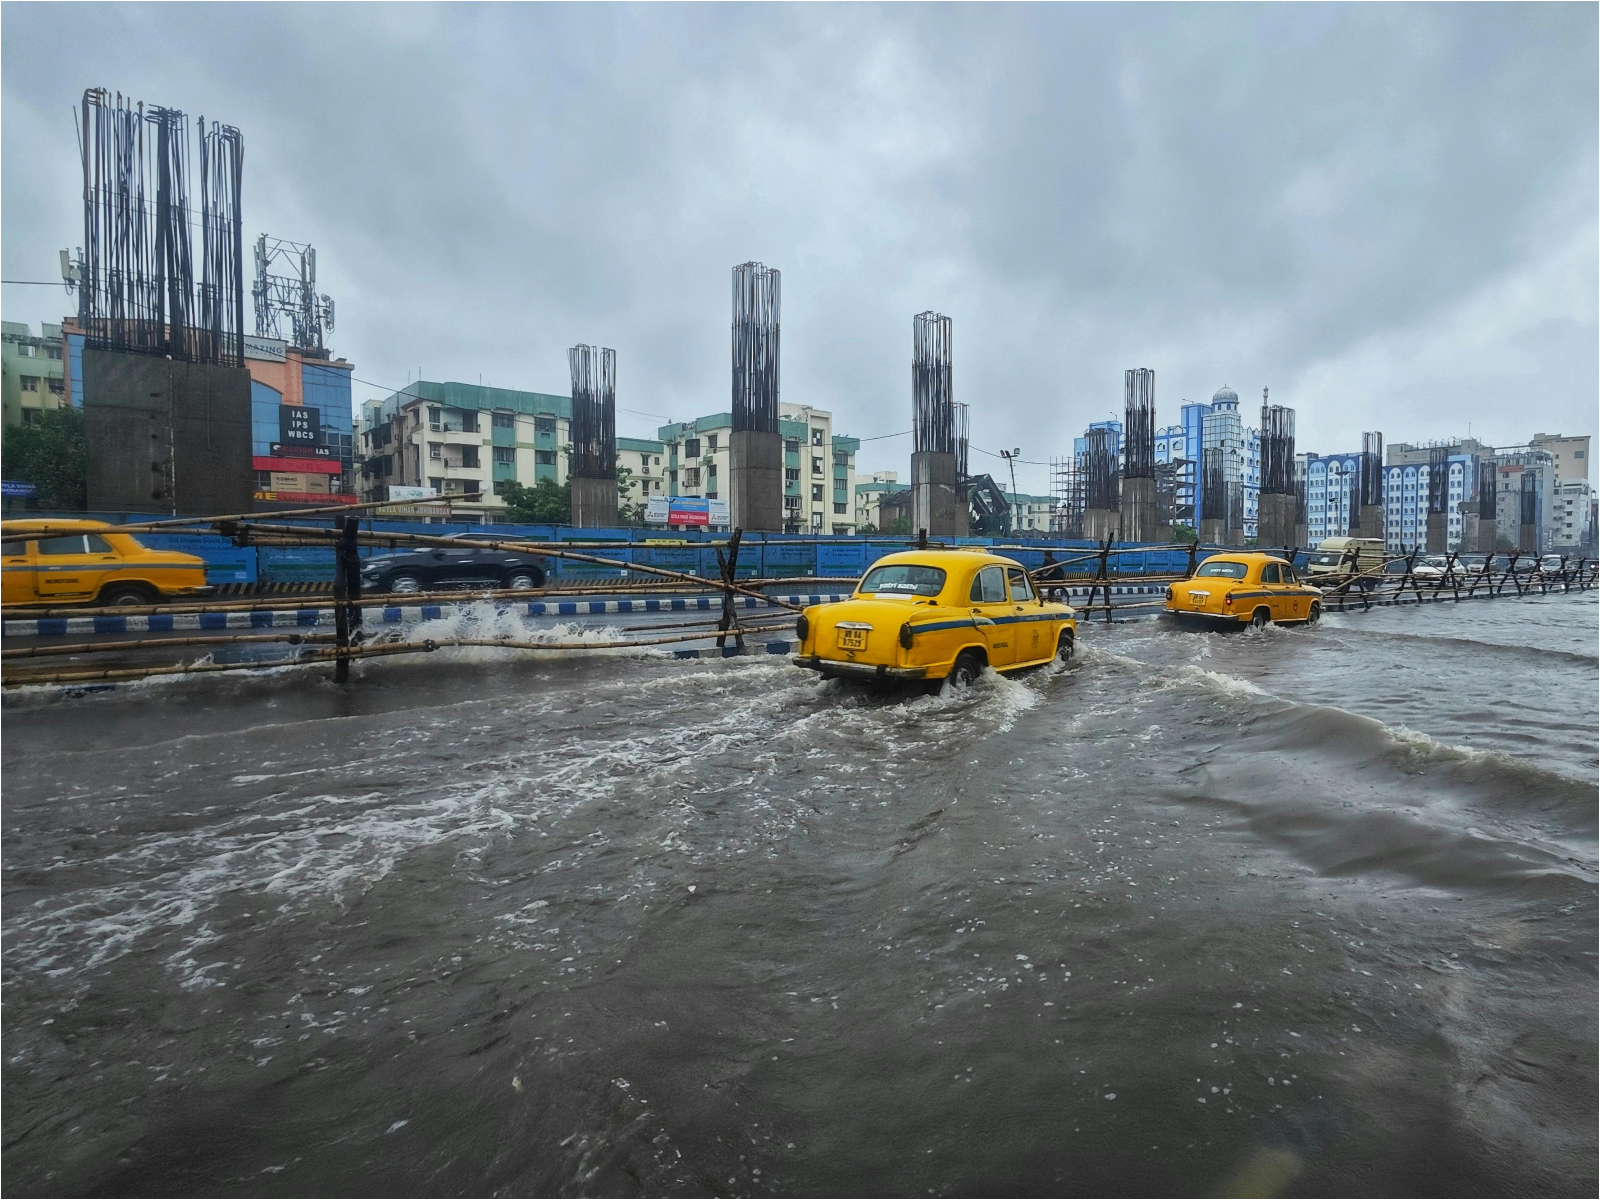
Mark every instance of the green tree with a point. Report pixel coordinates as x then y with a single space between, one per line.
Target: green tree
1183 535
50 455
900 525
543 504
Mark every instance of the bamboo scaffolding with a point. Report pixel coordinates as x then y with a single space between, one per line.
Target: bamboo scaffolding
287 636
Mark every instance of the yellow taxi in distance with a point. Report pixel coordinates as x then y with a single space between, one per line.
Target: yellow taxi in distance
1244 589
933 615
76 562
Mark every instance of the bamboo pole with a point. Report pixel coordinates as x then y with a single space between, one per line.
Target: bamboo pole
220 639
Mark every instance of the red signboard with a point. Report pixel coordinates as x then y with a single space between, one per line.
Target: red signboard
324 499
306 466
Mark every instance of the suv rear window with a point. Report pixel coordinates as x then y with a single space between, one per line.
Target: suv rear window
905 579
1220 570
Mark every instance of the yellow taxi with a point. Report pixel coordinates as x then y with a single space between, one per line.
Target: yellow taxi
77 562
934 615
1244 589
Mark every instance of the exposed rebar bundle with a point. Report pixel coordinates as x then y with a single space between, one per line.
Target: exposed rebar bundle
1530 498
1235 504
1438 474
1101 477
1370 484
963 419
1213 485
757 301
1139 423
932 399
1488 476
594 412
1277 450
137 292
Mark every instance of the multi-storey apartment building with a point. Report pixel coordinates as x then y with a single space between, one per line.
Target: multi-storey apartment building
30 371
462 438
1569 455
869 494
645 476
1030 514
819 466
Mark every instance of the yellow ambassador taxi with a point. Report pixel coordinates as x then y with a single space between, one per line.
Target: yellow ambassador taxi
934 615
75 562
1244 589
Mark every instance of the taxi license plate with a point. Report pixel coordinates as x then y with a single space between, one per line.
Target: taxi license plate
852 639
1198 599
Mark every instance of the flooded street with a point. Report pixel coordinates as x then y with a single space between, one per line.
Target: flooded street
1298 912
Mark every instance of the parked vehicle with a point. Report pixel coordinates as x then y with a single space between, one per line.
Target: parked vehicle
449 569
933 615
92 564
1435 567
1330 563
1244 589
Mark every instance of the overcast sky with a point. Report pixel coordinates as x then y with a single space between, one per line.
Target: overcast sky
1384 213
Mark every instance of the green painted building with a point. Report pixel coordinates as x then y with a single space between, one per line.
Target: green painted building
32 371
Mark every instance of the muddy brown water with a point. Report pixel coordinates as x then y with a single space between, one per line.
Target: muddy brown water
1299 912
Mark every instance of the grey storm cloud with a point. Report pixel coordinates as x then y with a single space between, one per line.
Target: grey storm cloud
1386 213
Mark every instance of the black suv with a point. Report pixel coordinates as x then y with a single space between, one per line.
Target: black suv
436 570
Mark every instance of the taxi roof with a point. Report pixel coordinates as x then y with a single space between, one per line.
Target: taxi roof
965 556
27 523
1244 556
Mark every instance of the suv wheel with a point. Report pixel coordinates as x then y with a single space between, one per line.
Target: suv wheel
404 582
522 581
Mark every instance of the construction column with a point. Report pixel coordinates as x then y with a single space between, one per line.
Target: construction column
594 436
933 457
755 451
1139 516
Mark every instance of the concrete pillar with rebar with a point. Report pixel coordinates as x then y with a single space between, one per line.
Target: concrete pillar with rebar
594 436
755 448
933 458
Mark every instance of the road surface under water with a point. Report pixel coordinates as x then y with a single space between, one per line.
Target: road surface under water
1294 912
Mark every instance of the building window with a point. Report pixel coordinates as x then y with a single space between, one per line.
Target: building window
838 510
544 458
791 474
544 425
57 387
791 445
691 448
55 352
505 454
712 495
436 483
816 520
30 383
791 502
469 422
816 465
816 492
500 486
711 472
504 420
435 449
711 442
691 477
816 436
435 418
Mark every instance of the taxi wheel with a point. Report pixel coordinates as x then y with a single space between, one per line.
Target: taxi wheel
126 595
1315 614
1064 645
966 671
1261 618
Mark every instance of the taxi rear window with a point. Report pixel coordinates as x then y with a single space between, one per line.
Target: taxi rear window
905 579
1221 570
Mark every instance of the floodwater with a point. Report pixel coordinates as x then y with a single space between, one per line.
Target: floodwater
1297 912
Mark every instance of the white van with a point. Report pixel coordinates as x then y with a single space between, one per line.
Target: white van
1332 558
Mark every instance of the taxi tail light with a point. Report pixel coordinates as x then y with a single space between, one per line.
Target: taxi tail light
1228 599
802 627
906 635
1169 591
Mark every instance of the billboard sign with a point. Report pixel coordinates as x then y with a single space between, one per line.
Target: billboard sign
686 510
411 493
299 427
279 450
11 487
266 349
